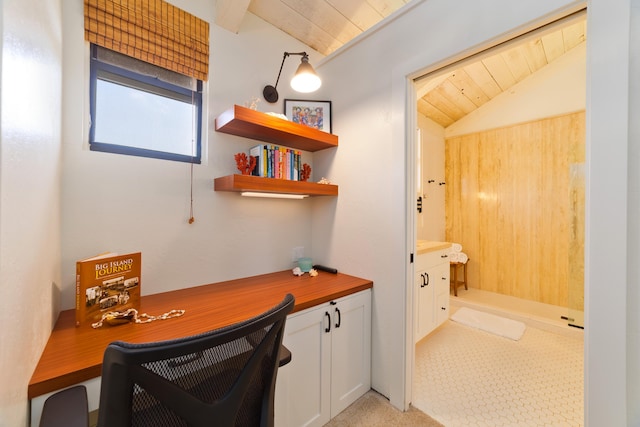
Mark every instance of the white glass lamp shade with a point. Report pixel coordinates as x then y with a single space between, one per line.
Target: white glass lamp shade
305 80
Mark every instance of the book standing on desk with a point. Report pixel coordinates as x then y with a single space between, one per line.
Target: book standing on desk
107 282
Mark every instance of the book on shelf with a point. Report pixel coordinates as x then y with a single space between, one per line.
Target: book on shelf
107 282
273 161
259 152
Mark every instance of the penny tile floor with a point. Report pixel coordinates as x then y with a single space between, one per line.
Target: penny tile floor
467 377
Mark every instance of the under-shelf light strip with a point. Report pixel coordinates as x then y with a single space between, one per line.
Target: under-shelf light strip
273 195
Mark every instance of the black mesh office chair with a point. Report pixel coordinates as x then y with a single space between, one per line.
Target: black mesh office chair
225 377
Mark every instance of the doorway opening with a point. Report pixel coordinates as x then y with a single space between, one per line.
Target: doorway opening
509 124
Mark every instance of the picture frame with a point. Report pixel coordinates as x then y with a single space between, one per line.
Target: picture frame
315 114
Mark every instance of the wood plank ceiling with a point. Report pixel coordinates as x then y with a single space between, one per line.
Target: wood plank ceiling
323 25
326 25
449 97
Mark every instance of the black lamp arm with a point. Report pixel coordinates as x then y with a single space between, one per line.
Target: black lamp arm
286 54
269 92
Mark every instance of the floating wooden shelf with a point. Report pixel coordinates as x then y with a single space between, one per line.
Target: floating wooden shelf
260 126
240 183
256 125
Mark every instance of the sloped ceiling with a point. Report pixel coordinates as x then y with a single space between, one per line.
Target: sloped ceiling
449 97
326 25
323 25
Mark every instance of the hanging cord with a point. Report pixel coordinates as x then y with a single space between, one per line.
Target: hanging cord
193 144
191 218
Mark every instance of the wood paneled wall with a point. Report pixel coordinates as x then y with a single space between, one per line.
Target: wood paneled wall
511 203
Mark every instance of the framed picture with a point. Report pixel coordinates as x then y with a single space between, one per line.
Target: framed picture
315 114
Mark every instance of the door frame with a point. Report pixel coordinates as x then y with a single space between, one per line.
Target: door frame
407 73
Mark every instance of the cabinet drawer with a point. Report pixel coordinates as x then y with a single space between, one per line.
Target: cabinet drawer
431 259
440 276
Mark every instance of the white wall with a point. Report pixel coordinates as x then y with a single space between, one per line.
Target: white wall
31 58
606 240
124 204
368 226
633 296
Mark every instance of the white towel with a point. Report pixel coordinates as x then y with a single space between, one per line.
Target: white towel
456 247
460 257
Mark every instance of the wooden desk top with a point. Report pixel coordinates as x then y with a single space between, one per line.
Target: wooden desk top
74 354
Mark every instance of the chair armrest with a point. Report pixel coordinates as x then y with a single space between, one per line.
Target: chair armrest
285 356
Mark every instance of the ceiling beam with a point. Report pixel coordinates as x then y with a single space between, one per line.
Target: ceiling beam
230 13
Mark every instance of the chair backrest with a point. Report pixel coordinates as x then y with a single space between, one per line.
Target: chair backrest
225 377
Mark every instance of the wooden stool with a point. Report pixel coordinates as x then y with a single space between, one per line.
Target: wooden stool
454 276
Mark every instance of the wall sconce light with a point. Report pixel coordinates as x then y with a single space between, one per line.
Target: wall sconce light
305 79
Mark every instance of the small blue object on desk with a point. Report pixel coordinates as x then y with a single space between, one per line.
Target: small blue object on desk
304 264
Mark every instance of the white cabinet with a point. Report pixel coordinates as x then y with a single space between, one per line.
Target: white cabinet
431 291
330 364
350 350
425 321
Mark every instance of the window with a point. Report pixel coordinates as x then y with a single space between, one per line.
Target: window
140 109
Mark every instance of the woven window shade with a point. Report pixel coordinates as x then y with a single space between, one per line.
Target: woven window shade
152 31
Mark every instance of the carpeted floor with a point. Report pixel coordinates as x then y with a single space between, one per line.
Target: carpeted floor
373 409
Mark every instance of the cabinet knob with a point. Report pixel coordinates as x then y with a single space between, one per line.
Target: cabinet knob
339 318
328 328
443 308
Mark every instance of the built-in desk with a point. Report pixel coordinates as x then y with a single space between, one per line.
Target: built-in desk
74 354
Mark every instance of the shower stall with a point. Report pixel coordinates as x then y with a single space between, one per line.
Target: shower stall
513 197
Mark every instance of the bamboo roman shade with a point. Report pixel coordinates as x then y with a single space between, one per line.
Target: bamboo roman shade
153 31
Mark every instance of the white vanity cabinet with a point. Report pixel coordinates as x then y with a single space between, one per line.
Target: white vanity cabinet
424 319
330 364
431 289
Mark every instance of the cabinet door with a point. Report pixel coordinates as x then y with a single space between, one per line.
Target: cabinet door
303 385
425 320
350 350
442 308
